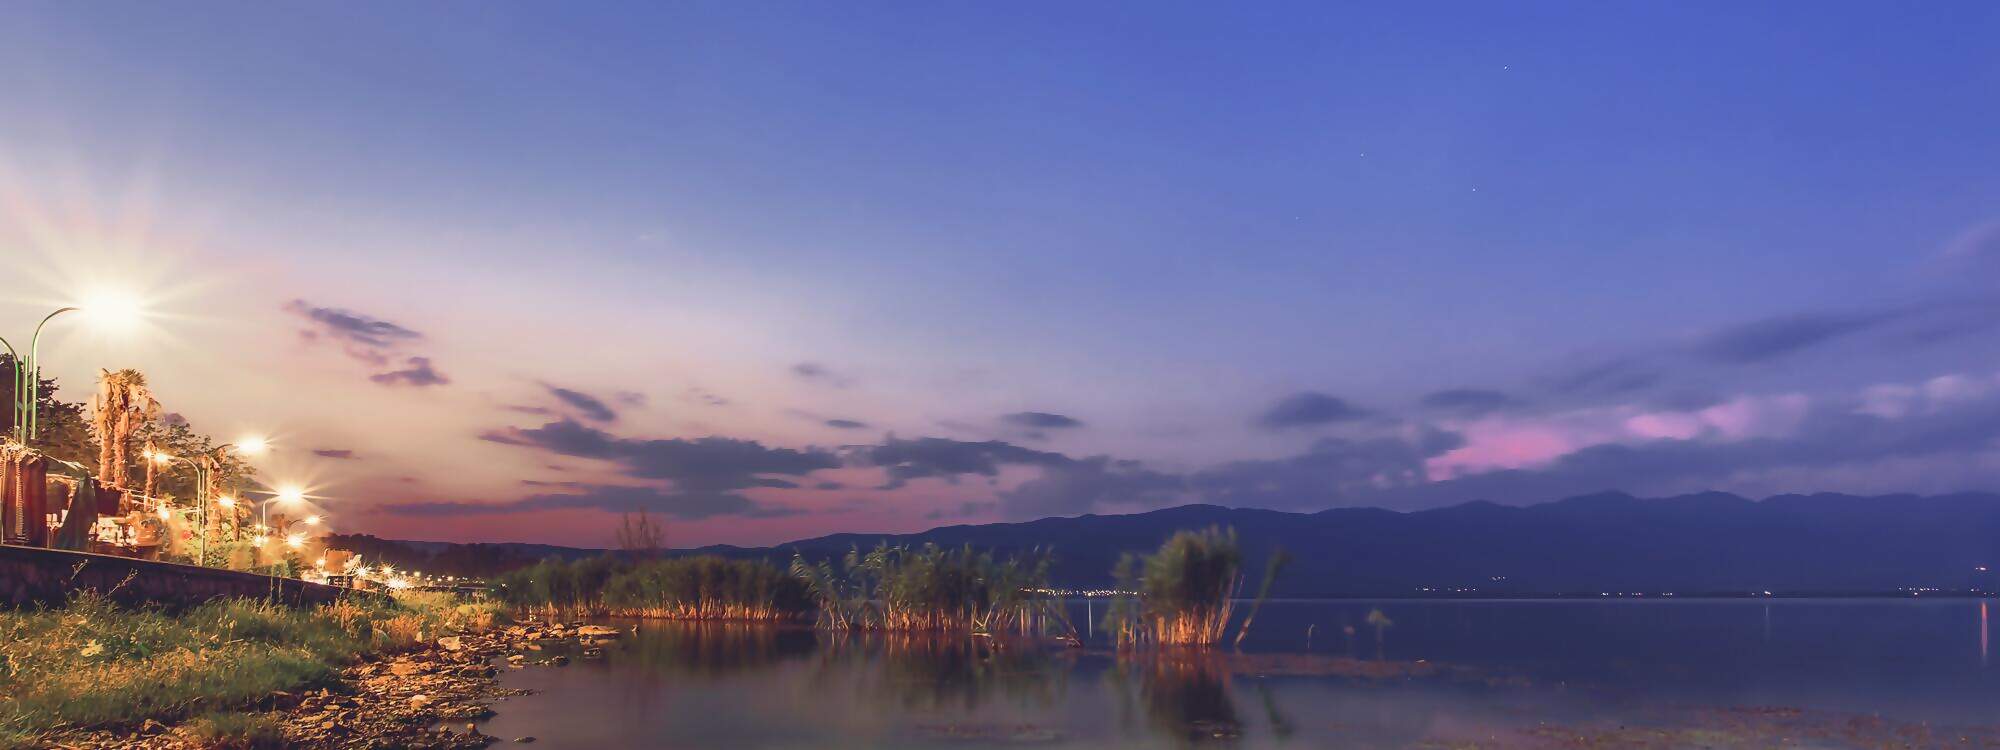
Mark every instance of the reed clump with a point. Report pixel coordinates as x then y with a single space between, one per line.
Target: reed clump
692 588
930 588
707 588
1186 591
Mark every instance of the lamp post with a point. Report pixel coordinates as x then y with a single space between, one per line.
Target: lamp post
247 446
289 495
28 382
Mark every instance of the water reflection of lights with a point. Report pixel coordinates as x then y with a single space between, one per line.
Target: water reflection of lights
1985 656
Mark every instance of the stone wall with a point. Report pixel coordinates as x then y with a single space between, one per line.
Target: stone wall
31 575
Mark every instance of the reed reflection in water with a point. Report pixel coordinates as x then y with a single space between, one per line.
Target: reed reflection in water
1502 669
673 684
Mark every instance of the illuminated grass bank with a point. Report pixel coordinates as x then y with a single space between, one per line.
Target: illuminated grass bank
92 664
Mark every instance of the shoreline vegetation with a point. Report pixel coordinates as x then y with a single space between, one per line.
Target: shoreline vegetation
929 588
91 666
1186 591
692 588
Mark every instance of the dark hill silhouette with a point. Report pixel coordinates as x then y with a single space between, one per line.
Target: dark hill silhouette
1709 542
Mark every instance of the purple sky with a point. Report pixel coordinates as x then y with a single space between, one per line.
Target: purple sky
500 273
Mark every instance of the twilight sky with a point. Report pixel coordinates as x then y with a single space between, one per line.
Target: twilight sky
501 271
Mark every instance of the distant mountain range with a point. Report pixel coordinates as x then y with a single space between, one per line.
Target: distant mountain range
1707 543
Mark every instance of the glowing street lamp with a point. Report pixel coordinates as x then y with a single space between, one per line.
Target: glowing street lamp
291 495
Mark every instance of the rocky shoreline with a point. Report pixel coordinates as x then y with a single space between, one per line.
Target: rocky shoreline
433 697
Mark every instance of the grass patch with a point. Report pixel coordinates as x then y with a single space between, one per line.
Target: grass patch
93 665
227 731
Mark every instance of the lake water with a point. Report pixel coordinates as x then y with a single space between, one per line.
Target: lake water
1443 674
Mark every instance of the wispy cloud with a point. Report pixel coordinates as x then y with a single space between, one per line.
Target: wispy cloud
819 373
417 372
1469 402
1307 409
1041 420
585 405
689 506
1771 338
700 464
370 340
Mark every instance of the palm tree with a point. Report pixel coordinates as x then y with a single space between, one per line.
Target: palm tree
122 405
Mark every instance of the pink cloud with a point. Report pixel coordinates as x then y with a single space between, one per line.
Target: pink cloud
1496 444
1756 416
1665 425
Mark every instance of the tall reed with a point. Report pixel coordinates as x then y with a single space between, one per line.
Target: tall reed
1186 590
692 588
929 588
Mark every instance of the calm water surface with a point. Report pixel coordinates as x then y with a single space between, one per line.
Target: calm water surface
1506 670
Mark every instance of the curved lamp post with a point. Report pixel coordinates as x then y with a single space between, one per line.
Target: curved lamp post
28 382
289 495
